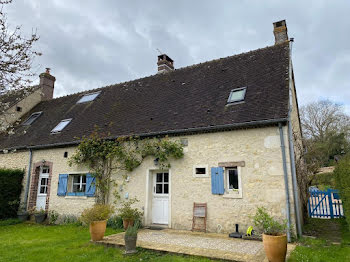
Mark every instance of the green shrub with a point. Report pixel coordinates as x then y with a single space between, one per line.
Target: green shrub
96 213
324 181
267 224
11 221
127 212
53 217
68 219
132 230
10 191
342 180
115 222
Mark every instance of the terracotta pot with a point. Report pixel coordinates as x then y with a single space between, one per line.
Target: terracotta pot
97 230
130 244
275 247
127 223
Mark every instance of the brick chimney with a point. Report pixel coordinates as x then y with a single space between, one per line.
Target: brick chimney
280 32
165 64
47 84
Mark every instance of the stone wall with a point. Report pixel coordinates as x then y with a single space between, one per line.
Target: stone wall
262 179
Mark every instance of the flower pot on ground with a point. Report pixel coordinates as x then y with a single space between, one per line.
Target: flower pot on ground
96 217
129 214
130 239
39 214
274 237
23 216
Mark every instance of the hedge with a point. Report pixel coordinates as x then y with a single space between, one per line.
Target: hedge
10 191
342 181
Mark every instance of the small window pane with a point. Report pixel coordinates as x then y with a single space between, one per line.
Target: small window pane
159 189
237 95
166 189
76 179
166 177
201 171
233 179
31 119
61 125
43 190
46 170
88 97
84 180
159 177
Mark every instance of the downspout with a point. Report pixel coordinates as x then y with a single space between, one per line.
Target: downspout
28 178
291 148
283 149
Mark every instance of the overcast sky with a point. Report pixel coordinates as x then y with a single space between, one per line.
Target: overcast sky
90 44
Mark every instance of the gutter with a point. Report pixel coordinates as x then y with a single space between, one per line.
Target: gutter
291 150
285 180
28 178
171 132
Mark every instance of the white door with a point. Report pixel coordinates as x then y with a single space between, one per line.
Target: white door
42 188
160 202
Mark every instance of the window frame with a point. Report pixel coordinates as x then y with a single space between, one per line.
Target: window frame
71 184
59 131
233 193
237 90
200 175
28 123
86 95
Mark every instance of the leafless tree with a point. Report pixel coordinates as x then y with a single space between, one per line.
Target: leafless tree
321 118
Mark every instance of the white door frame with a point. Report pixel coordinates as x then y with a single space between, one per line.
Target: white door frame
42 195
149 195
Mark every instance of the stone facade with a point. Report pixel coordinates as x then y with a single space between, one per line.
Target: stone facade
261 174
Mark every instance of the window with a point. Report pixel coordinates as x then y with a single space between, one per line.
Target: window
237 95
200 171
18 109
65 154
31 119
88 97
61 126
233 185
77 184
162 183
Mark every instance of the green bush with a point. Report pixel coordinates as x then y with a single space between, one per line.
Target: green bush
324 181
131 231
115 222
267 224
10 191
342 180
11 221
98 212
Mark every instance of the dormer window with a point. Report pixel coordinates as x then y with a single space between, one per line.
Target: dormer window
31 119
237 95
88 97
61 125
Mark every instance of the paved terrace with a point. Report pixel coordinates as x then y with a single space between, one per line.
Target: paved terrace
217 246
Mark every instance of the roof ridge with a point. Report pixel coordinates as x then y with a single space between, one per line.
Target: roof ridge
173 71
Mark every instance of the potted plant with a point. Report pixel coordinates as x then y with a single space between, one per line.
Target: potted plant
22 213
129 214
130 238
274 236
96 217
39 215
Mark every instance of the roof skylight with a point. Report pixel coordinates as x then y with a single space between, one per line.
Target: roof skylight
88 97
31 119
237 95
61 125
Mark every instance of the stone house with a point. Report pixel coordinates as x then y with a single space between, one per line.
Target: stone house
235 116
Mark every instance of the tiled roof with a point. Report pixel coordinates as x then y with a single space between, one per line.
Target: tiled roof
189 98
11 98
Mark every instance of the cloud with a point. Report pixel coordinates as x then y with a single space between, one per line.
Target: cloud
89 44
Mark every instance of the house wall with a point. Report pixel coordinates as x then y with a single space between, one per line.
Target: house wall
10 116
262 178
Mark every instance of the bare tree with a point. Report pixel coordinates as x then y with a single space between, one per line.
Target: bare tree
319 119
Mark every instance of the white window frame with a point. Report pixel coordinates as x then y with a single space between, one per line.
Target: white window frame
233 193
34 117
67 121
80 183
244 89
94 96
200 175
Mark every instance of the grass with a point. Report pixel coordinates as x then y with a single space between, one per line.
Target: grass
32 242
330 241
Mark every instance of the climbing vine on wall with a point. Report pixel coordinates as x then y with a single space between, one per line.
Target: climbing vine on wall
103 155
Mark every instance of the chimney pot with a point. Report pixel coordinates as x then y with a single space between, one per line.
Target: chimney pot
165 64
280 31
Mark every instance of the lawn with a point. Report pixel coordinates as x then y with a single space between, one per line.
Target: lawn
32 242
330 242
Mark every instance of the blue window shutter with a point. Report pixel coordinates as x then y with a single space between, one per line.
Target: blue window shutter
90 185
217 181
62 185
